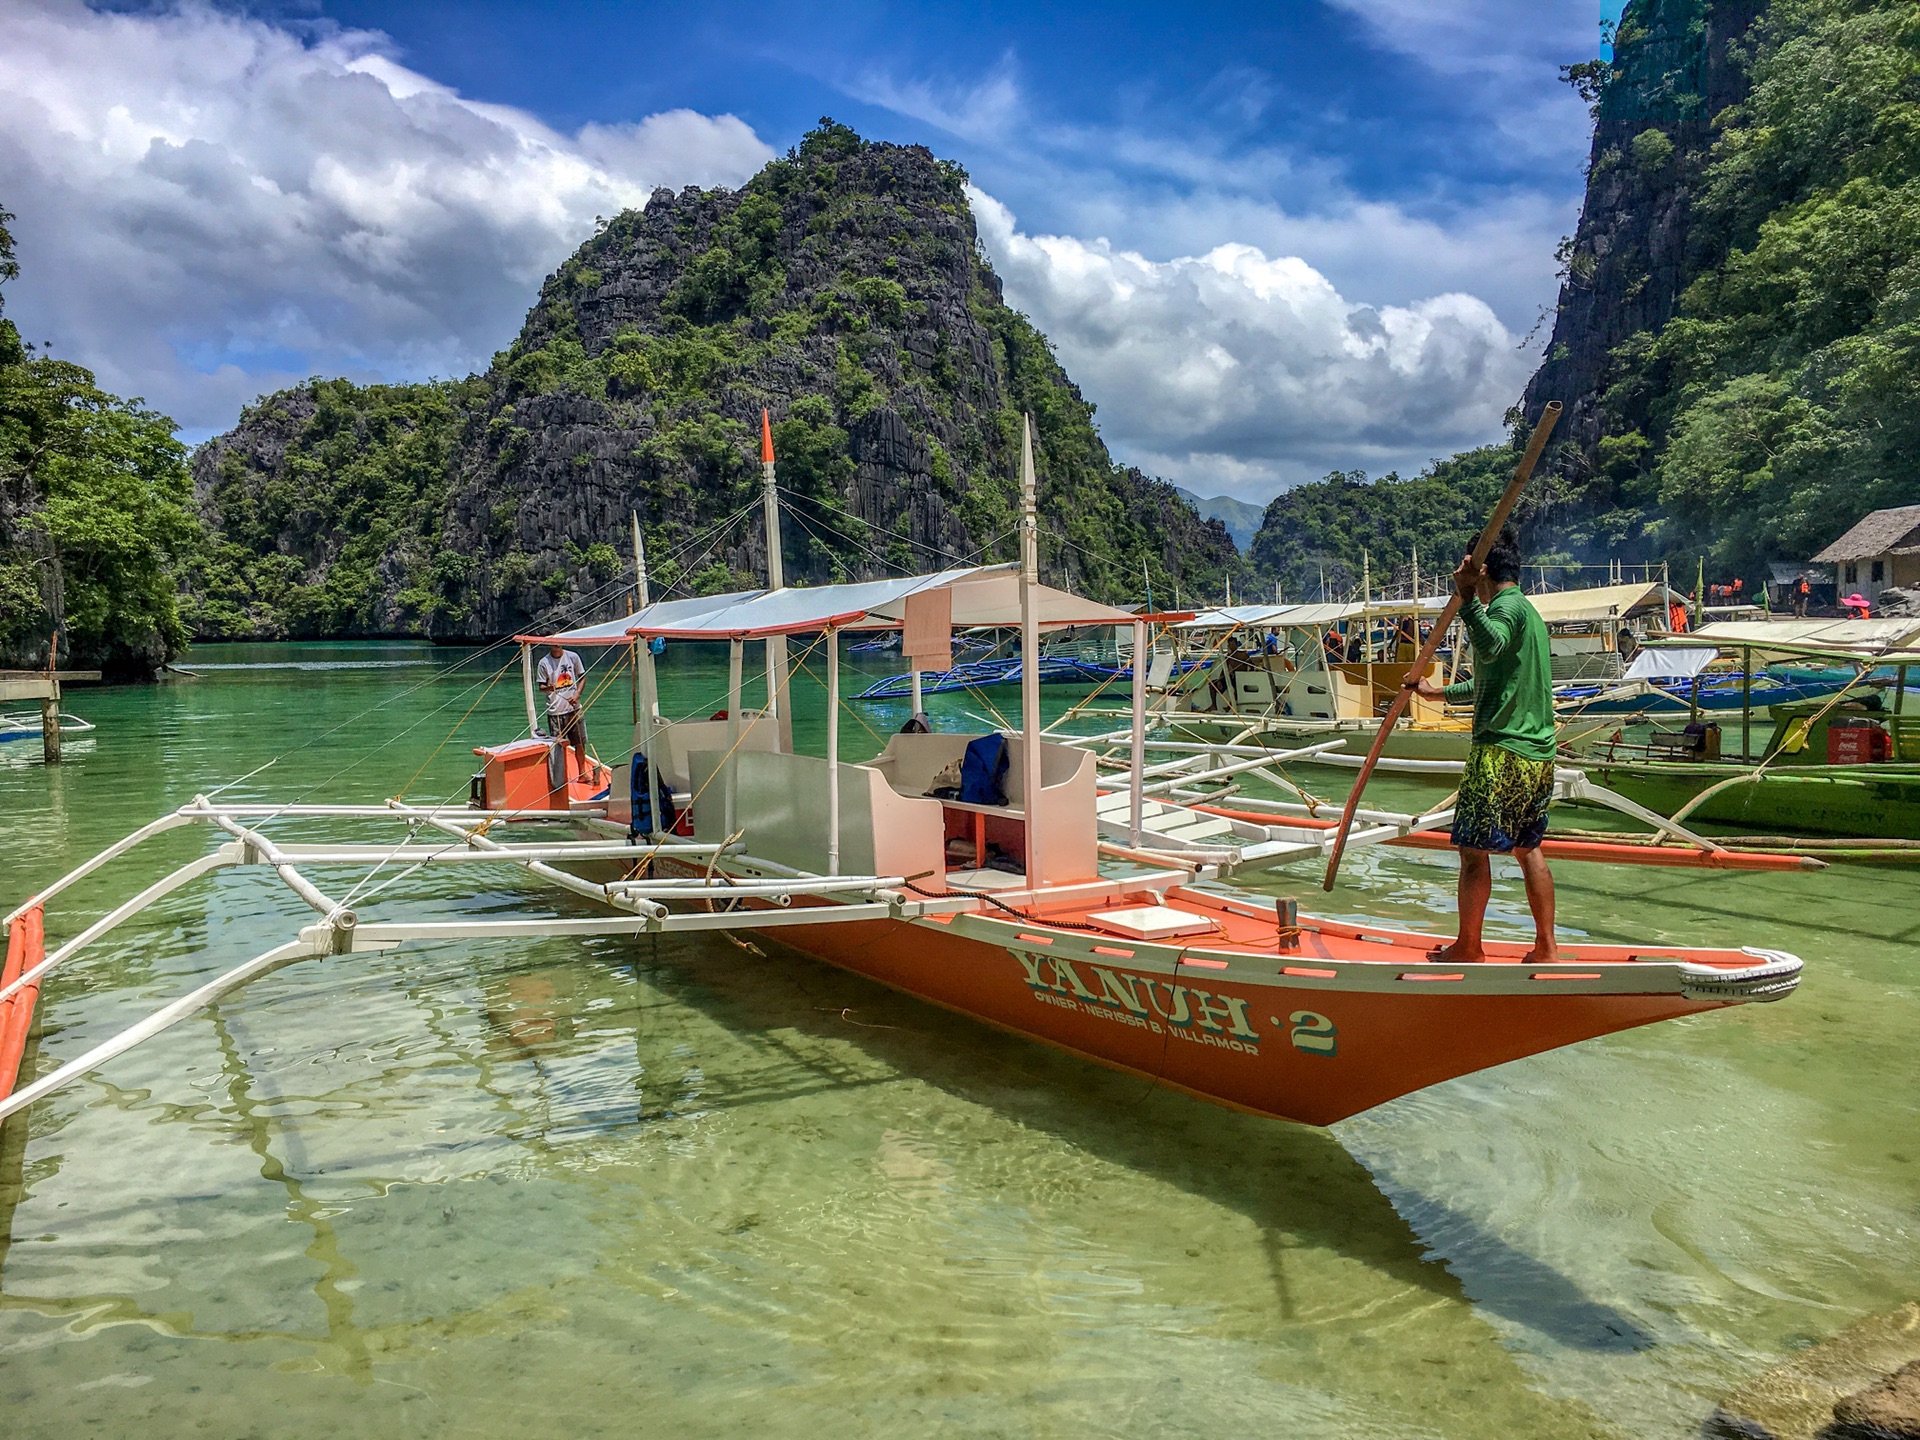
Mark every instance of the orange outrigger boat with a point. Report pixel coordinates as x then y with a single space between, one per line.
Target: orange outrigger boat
1001 903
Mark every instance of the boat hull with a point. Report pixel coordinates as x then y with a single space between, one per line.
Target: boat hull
1277 1046
1720 700
1880 802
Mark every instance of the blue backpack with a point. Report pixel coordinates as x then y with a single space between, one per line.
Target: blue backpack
643 802
983 771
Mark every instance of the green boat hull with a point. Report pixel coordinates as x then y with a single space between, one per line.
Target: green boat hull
1880 802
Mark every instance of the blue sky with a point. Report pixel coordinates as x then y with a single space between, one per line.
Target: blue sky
1308 78
1268 240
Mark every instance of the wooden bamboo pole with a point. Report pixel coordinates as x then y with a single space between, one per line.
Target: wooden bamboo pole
1488 534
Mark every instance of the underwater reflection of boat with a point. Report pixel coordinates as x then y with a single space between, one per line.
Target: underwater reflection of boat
817 1153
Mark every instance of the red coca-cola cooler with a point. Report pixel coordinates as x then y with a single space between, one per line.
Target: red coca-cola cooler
1857 742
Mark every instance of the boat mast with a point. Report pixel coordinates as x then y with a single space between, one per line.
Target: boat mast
646 682
1366 621
776 580
526 686
634 647
640 597
1030 655
1136 804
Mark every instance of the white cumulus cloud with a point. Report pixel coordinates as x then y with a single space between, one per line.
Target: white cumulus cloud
1235 371
210 205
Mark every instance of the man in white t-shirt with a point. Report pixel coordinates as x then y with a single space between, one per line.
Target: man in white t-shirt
560 674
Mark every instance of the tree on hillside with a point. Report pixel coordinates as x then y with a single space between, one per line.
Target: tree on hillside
94 515
1333 528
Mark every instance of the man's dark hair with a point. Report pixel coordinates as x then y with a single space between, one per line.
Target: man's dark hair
1503 560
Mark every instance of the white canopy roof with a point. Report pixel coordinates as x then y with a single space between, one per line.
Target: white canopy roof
1875 640
1599 602
1556 607
1650 664
984 595
1308 616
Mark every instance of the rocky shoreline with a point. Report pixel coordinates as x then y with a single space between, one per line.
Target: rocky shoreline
1861 1384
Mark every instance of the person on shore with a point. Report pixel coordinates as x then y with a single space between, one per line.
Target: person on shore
1802 590
1502 806
559 675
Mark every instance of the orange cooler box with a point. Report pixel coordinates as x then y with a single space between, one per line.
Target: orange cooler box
517 776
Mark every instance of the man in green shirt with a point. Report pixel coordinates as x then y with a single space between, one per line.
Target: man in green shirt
1509 780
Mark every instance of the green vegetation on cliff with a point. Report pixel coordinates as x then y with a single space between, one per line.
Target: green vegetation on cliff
1328 531
362 477
94 516
1783 402
841 288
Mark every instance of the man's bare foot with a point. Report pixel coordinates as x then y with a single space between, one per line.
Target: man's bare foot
1548 954
1457 954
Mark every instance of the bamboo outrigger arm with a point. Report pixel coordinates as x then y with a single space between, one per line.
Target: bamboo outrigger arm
161 1019
1569 783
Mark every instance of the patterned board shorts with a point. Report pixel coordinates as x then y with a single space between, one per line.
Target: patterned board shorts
1503 801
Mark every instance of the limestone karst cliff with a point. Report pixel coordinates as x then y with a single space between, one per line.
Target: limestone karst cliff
1738 332
842 288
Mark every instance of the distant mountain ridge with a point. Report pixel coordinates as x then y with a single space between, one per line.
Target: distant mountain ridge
842 288
1241 518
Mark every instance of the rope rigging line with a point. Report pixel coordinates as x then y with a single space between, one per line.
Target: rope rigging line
827 541
692 567
593 597
498 676
801 664
976 557
590 599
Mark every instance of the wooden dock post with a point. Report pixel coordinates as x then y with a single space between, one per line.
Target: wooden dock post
44 686
50 723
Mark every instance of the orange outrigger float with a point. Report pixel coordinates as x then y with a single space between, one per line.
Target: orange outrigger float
1003 904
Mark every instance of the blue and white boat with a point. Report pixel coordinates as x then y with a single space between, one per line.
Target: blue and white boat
27 726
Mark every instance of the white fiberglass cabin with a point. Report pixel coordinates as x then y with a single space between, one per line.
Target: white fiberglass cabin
832 816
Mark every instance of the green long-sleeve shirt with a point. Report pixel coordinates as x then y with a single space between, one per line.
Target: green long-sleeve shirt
1512 685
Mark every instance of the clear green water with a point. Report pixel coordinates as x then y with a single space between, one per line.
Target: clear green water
678 1189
